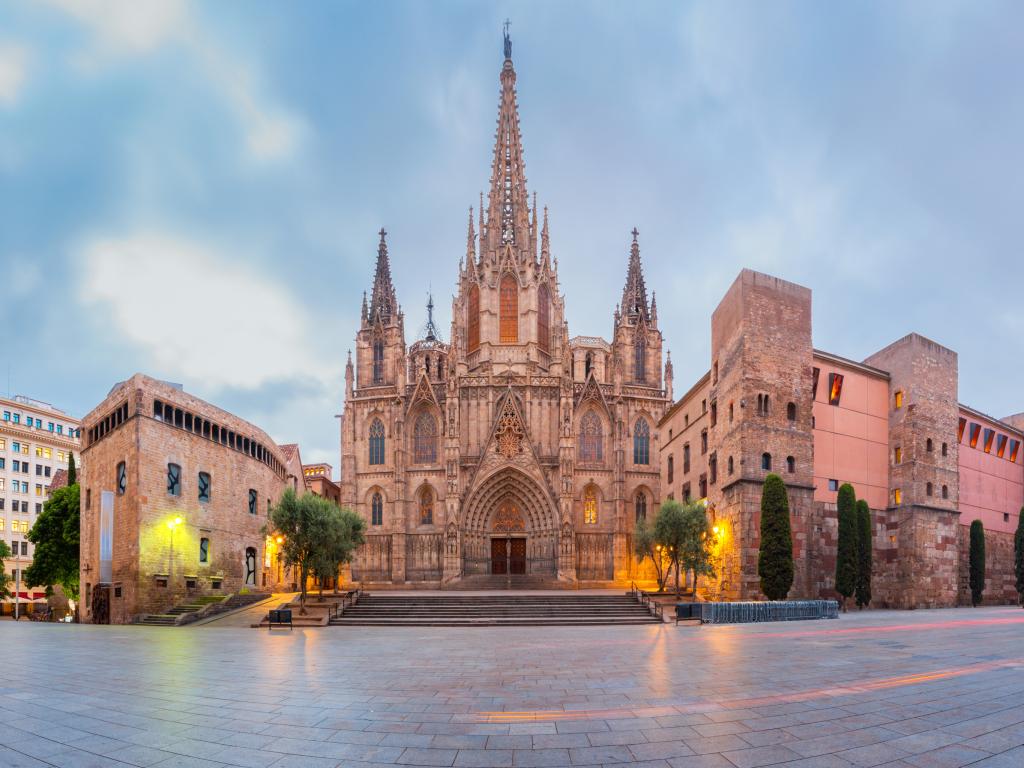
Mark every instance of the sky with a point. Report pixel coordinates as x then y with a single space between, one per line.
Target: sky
194 190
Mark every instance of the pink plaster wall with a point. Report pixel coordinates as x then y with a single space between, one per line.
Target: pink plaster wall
990 486
851 440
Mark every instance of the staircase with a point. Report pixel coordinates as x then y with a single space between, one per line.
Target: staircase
222 602
467 610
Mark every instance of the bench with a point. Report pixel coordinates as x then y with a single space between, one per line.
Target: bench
281 617
687 612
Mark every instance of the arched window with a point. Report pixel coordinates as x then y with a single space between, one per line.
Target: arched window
473 319
591 439
731 465
426 507
509 310
377 442
791 411
640 506
590 507
642 443
928 446
671 470
766 461
790 464
543 317
378 362
640 360
945 491
426 365
588 365
424 449
928 489
377 510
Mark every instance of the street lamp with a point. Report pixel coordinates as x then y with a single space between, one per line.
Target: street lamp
172 524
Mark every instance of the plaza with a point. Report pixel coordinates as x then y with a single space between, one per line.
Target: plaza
894 688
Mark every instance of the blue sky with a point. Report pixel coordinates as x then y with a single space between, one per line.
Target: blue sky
194 191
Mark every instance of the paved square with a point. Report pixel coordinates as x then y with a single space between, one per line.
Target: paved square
922 689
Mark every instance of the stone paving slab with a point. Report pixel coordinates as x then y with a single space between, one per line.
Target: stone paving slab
919 689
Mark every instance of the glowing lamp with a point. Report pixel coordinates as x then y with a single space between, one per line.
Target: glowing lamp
715 530
280 539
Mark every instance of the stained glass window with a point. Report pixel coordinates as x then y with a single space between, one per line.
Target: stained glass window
590 507
425 439
473 321
543 317
642 443
377 510
640 360
377 442
591 439
509 296
426 507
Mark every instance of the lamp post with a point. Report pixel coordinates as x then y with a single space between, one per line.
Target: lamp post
280 541
172 524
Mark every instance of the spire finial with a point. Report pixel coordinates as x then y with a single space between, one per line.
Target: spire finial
382 301
508 40
635 233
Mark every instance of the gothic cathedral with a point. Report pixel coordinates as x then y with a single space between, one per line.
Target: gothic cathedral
514 452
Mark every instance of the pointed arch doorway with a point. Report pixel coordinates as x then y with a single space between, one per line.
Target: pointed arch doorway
508 540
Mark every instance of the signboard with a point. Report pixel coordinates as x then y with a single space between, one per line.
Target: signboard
106 537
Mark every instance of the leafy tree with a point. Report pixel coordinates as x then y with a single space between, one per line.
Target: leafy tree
683 532
1018 555
864 553
72 472
645 545
5 580
977 564
775 559
56 538
345 533
846 546
316 536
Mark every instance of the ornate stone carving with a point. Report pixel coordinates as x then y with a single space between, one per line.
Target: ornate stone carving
509 519
508 437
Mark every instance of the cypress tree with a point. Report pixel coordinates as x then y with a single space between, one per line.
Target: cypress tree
864 552
977 571
846 546
1018 555
72 472
775 559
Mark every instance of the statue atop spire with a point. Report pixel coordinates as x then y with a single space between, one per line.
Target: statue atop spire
508 41
383 303
634 295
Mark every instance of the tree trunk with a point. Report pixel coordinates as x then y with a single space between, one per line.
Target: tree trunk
677 579
302 591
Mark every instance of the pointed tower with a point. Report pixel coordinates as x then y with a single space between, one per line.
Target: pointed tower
380 344
636 338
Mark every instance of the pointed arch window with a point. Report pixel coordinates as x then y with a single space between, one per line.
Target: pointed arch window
377 510
425 439
509 310
590 507
543 318
473 319
640 360
640 506
378 362
426 507
591 438
377 442
642 443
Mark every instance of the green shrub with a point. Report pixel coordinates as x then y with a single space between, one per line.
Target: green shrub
977 567
864 553
775 558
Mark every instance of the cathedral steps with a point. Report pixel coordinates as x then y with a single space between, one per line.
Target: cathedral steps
495 609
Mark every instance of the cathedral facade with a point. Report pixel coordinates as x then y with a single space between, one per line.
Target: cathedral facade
515 451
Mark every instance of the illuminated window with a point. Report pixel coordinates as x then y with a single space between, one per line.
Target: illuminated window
790 464
3 444
897 496
591 444
766 461
509 310
39 451
378 362
173 480
2 523
253 498
204 486
377 510
642 443
122 479
1014 448
835 388
640 360
898 400
960 430
640 506
473 317
990 435
425 439
897 455
204 550
426 507
1001 445
590 507
377 442
975 433
543 317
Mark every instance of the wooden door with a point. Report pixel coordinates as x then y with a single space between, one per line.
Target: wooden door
499 557
517 556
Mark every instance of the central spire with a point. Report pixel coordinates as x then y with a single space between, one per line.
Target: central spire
634 294
383 302
508 221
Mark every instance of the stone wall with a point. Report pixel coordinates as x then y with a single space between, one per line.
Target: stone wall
1000 579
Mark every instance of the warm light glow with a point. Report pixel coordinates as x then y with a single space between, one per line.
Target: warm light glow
172 524
715 530
280 539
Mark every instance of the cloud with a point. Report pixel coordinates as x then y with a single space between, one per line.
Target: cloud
199 315
13 69
124 28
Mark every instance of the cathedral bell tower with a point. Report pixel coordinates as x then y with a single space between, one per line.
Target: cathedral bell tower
380 343
636 340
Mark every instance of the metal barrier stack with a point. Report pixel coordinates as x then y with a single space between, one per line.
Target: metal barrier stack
751 612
